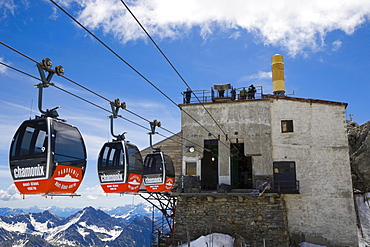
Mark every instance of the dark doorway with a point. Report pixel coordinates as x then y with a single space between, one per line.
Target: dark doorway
209 171
241 167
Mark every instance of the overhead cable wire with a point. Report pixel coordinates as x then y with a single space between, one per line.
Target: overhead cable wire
66 91
130 66
20 71
78 84
87 101
111 50
170 63
169 131
20 53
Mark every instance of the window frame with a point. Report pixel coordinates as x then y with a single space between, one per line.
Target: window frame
287 126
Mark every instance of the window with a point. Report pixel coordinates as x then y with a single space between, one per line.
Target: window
286 126
41 142
135 161
30 140
285 176
26 142
153 164
111 155
170 170
68 143
191 168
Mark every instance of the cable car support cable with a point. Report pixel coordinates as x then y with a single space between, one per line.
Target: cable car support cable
89 102
135 70
170 63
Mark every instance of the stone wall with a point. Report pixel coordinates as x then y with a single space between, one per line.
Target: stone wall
256 219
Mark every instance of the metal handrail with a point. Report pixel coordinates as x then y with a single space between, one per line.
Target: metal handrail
286 186
206 96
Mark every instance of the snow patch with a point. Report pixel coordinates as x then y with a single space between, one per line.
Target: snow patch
363 207
214 239
113 233
82 232
20 243
18 227
56 230
41 227
305 244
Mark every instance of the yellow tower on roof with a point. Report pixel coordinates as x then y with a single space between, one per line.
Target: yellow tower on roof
277 66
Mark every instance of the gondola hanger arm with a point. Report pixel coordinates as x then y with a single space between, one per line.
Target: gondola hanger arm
46 65
115 106
153 125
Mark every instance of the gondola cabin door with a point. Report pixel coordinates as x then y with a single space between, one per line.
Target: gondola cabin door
120 167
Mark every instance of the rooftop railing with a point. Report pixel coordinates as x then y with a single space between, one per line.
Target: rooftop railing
214 95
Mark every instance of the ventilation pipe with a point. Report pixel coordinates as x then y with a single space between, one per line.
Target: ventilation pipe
277 66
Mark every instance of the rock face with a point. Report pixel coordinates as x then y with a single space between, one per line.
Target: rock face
359 151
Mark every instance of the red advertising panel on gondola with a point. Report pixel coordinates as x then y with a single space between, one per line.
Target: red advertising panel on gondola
66 179
131 186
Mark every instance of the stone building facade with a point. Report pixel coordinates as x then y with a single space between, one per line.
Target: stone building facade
295 147
258 219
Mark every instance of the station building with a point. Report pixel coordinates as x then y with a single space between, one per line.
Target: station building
294 150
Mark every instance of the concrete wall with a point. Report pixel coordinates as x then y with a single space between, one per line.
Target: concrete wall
251 121
323 212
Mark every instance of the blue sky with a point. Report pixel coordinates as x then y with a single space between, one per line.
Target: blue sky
325 45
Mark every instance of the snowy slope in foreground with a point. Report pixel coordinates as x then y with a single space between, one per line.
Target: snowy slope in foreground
223 240
214 239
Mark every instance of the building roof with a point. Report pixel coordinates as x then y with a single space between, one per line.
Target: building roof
277 97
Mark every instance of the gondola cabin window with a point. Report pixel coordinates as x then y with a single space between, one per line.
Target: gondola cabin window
26 141
286 126
69 146
170 169
112 156
135 161
154 165
41 142
30 141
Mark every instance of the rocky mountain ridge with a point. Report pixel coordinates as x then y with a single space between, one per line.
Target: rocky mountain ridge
88 227
359 151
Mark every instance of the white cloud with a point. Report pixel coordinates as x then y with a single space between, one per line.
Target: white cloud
54 15
336 45
18 106
297 26
260 75
7 5
10 194
235 35
93 193
3 69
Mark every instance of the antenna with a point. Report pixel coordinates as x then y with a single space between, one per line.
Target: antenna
31 108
